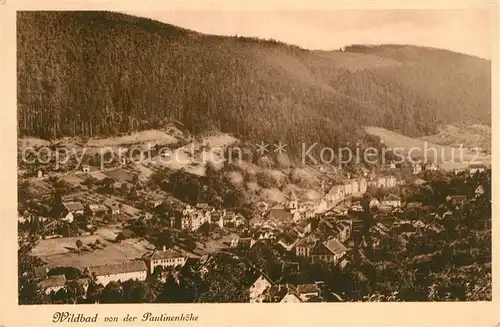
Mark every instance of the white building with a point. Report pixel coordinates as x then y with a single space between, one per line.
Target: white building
390 181
119 272
392 200
374 203
165 258
258 288
348 188
416 169
354 186
362 185
474 168
70 209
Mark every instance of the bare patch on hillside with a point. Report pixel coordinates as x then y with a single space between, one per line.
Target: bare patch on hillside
447 156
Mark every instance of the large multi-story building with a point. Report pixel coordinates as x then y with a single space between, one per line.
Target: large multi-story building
165 259
123 271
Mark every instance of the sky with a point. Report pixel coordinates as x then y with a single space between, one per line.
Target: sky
461 30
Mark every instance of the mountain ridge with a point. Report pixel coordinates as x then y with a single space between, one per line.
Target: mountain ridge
109 73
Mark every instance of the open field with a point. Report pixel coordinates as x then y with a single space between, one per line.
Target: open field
121 175
74 180
152 137
448 157
470 136
57 252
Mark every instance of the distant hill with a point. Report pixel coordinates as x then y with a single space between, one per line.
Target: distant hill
100 73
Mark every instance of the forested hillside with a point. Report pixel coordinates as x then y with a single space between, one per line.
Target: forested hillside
99 73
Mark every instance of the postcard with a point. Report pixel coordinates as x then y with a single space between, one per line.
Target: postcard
248 163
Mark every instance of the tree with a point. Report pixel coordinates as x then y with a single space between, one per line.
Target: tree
79 244
69 272
94 292
171 292
106 185
112 293
137 292
74 291
29 292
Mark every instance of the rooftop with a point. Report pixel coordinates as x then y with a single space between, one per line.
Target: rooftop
278 292
97 207
335 246
53 281
73 206
279 214
166 254
118 268
307 288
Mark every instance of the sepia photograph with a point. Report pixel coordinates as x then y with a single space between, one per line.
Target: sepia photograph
277 156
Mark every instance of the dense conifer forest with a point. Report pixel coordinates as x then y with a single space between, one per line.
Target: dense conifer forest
95 74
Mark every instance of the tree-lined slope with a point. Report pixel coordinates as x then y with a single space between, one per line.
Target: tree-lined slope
99 73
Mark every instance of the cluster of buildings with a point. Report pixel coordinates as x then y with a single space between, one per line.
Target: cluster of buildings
264 290
357 187
70 209
122 271
191 218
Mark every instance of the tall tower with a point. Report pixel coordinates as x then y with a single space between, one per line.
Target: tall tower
293 202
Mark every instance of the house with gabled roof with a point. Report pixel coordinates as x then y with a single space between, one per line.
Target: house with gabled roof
305 246
113 206
332 251
288 240
262 206
308 291
70 209
476 167
392 200
97 210
258 288
52 284
381 181
282 293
